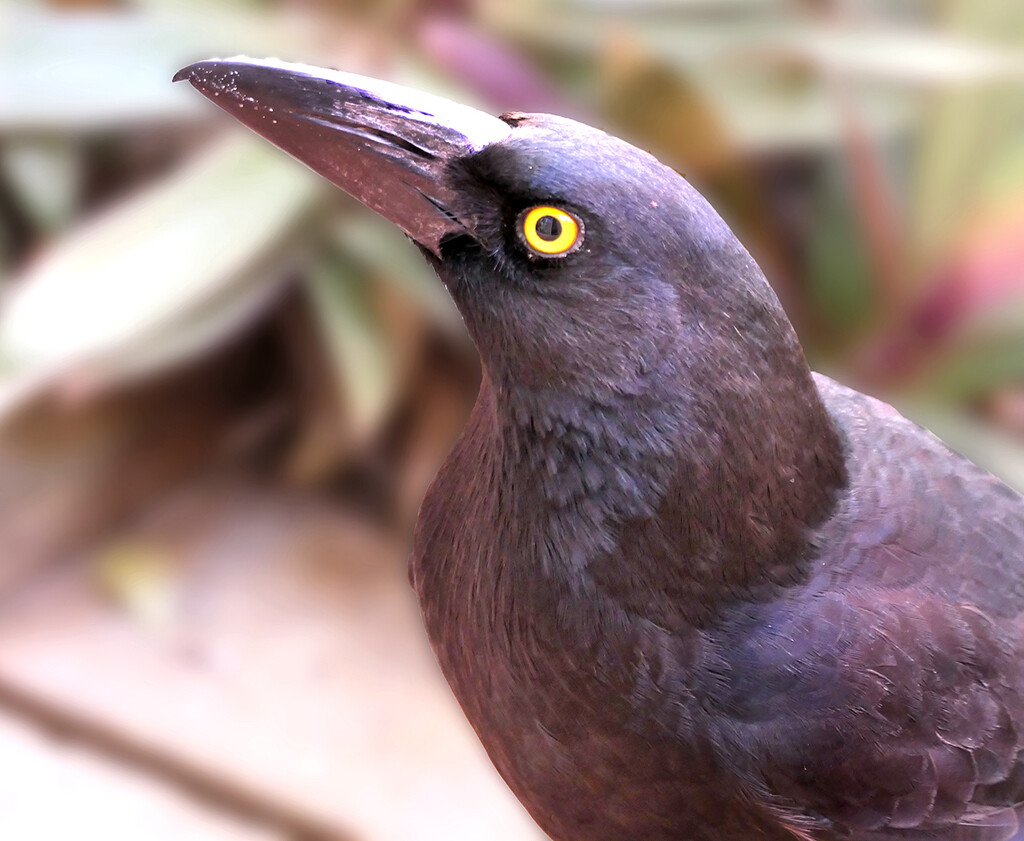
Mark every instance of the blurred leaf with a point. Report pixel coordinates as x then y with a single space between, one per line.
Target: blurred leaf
377 244
505 77
358 346
764 34
84 71
995 20
970 140
672 6
1002 180
904 55
764 68
986 352
159 277
982 276
839 274
789 108
662 108
45 174
962 327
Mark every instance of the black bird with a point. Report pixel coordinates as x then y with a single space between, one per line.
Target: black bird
683 588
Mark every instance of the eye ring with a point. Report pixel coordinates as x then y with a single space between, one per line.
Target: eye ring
549 231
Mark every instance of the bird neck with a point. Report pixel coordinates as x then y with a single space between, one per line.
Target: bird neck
707 479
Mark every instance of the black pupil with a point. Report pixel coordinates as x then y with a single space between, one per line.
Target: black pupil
548 228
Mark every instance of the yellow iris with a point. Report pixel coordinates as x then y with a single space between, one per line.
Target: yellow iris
550 231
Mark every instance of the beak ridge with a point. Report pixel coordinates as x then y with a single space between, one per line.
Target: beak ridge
386 145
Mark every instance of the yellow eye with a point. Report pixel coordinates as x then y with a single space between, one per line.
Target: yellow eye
549 231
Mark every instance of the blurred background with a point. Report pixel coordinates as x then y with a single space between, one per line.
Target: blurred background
224 386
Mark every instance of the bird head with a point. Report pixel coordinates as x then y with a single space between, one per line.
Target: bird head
635 358
579 262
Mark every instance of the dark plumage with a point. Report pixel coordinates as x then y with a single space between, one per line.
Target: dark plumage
682 587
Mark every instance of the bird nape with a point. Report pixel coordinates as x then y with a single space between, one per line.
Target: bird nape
683 588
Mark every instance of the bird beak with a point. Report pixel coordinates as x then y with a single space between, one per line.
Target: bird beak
387 145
